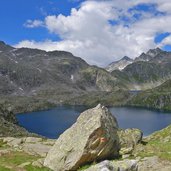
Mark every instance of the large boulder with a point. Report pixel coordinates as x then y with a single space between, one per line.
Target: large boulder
92 138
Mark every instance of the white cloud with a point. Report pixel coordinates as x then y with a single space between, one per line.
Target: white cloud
166 41
87 33
33 23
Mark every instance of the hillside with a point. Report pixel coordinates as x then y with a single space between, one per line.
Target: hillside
157 98
9 125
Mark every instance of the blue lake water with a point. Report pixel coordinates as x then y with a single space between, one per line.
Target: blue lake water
52 123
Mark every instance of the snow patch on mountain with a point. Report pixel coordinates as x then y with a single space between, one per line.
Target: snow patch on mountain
119 65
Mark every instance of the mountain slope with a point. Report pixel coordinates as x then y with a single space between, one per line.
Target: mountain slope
157 98
8 124
24 70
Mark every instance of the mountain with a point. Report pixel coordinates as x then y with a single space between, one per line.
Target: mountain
146 71
48 78
150 55
32 79
25 70
119 65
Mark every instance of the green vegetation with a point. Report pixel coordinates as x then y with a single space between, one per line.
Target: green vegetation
13 160
4 169
87 166
157 144
33 168
84 167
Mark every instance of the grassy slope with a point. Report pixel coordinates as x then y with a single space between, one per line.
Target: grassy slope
157 144
12 160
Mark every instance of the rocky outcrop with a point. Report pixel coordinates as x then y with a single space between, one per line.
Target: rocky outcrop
31 145
128 139
92 138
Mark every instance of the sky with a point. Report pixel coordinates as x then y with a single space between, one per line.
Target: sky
99 31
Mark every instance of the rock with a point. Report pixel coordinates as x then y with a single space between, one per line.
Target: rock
4 152
154 164
127 165
124 165
50 142
93 137
105 165
125 156
128 139
7 139
24 164
31 145
36 149
38 163
33 140
16 142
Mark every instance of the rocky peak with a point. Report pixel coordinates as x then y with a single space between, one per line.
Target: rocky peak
120 64
126 58
154 52
143 57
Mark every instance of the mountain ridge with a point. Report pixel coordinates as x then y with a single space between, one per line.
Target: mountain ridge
125 61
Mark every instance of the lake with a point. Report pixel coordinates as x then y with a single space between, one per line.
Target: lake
52 123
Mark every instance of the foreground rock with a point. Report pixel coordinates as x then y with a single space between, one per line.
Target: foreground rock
125 165
92 138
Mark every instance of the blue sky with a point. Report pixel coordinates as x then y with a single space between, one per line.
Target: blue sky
14 13
98 31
